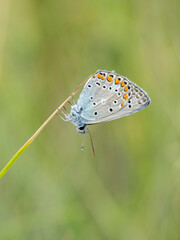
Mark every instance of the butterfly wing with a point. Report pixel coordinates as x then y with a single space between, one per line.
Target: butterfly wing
108 96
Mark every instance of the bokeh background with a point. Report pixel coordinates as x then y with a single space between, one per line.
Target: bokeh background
131 189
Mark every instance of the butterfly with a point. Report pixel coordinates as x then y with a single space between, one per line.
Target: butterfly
106 96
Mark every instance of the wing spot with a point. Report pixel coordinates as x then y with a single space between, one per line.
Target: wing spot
115 101
111 109
126 89
117 81
95 113
103 101
104 86
97 83
129 106
110 88
123 104
125 96
99 75
91 98
144 100
103 74
110 78
119 94
89 85
94 103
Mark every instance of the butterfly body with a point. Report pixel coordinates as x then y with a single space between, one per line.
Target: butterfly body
76 118
107 96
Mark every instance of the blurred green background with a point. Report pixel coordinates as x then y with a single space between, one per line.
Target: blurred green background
131 189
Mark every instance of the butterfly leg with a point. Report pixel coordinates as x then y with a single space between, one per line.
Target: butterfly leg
73 100
66 117
70 103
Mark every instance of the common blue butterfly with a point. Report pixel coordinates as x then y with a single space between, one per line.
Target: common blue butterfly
106 96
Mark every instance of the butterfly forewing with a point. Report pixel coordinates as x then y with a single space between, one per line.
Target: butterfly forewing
107 96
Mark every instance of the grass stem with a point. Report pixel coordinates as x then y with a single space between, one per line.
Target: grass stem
21 150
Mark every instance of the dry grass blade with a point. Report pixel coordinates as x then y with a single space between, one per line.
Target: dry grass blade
21 150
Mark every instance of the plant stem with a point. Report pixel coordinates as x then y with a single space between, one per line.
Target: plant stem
21 150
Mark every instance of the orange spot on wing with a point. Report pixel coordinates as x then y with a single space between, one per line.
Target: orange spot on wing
117 81
110 79
99 75
125 96
94 76
122 84
102 77
126 89
123 104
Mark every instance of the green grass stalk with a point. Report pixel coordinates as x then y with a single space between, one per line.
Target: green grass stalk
21 150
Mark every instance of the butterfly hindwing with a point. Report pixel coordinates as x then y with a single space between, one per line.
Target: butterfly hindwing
107 96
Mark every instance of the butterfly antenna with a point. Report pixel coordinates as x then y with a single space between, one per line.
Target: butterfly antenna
91 142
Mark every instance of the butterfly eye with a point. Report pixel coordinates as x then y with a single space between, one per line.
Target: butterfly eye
82 128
